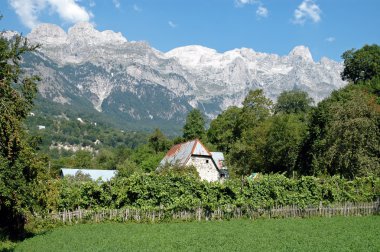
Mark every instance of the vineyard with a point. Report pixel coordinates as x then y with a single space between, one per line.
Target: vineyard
178 193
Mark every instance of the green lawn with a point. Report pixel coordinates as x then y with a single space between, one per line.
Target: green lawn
316 234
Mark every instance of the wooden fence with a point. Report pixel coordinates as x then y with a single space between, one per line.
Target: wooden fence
227 212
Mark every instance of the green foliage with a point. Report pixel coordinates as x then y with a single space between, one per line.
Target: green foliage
293 102
224 130
109 158
371 86
146 158
271 143
272 146
344 135
82 159
179 170
180 189
194 126
252 121
19 165
7 245
340 136
362 64
247 154
256 109
127 168
158 141
61 129
283 143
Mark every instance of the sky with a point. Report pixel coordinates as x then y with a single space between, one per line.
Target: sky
327 27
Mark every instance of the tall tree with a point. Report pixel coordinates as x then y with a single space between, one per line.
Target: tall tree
362 64
194 126
18 165
283 143
272 146
256 109
223 131
158 141
293 102
344 135
246 155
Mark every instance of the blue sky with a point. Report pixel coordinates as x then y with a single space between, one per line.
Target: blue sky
327 27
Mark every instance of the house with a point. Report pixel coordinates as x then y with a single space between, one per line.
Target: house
220 162
104 175
209 165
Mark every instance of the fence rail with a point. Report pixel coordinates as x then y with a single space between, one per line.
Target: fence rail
227 212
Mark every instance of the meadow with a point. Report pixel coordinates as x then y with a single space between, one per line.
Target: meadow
314 234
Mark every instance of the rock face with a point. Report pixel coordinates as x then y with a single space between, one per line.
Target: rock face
134 81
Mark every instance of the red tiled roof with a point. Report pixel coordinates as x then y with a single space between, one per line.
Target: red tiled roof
181 153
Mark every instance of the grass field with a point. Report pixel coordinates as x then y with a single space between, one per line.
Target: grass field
316 234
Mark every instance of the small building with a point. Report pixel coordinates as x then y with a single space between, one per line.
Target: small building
209 165
104 175
220 162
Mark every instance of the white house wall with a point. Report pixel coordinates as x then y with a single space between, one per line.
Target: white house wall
205 167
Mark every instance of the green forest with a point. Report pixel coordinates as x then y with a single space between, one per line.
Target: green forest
307 153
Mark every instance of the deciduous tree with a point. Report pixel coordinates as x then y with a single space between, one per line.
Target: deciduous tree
18 164
224 130
158 141
256 109
362 64
293 102
344 135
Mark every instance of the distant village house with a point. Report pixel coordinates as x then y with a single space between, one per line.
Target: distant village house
209 165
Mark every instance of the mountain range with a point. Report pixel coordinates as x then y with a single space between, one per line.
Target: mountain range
134 85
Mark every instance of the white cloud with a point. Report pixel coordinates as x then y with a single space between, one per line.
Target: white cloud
330 39
308 9
68 10
137 8
27 11
116 3
262 11
92 3
172 24
241 3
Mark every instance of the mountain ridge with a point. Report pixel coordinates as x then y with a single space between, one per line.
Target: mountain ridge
115 75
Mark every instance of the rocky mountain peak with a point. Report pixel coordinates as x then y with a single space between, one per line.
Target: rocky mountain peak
82 27
48 34
85 31
302 52
191 55
82 33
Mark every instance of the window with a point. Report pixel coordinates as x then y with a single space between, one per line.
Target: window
206 161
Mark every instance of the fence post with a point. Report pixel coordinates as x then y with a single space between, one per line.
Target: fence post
337 209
